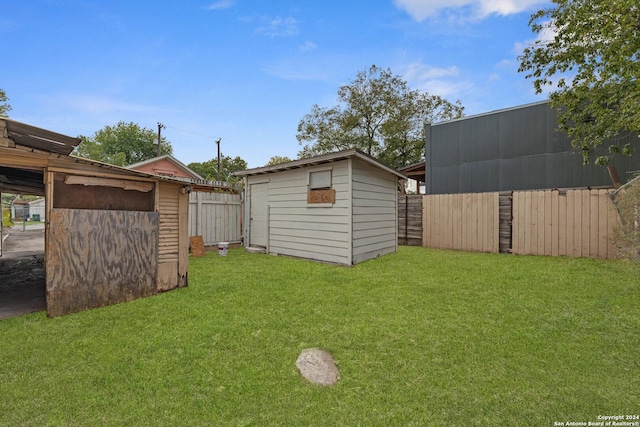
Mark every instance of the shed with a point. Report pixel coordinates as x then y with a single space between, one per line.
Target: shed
37 209
339 208
111 234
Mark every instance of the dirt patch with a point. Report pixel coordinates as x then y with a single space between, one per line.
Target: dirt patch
22 288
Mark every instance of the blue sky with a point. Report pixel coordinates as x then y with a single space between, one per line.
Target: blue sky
247 71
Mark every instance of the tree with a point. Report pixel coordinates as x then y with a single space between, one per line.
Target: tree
122 145
276 160
378 114
4 107
591 62
228 165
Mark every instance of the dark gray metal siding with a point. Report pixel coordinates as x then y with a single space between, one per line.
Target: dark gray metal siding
515 149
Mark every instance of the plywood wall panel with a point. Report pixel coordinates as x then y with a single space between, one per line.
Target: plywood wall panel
97 258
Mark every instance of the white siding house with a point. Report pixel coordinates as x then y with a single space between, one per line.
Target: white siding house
338 208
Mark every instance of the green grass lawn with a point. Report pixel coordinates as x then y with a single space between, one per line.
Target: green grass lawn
421 338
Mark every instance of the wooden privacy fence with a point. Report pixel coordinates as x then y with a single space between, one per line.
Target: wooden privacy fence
467 222
577 223
216 216
410 220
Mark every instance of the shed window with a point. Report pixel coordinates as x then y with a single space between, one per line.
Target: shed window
320 180
320 193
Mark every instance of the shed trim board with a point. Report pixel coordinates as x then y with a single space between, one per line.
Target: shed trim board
357 223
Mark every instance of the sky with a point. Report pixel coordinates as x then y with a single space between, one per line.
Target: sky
247 71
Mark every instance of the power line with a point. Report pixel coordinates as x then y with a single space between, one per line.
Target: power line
192 133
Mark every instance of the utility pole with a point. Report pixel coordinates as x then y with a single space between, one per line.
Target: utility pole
218 171
160 126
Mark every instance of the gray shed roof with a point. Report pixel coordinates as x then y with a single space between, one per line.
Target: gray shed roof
318 160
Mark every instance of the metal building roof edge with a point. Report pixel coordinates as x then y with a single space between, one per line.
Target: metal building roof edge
488 113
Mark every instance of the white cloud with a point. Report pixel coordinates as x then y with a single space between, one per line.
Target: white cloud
278 27
221 4
423 9
418 72
547 34
307 46
445 82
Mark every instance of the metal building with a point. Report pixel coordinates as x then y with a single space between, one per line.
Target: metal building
519 148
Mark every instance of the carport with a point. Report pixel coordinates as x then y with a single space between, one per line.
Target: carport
111 234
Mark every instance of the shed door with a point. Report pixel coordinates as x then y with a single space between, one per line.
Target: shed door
258 212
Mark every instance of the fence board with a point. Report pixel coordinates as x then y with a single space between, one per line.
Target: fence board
410 222
215 216
462 222
577 223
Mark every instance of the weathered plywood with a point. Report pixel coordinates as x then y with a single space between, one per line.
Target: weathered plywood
125 184
197 246
167 276
321 196
97 258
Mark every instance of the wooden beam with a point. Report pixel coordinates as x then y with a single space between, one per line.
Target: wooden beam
93 172
144 187
615 178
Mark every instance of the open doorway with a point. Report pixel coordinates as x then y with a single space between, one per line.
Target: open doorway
22 270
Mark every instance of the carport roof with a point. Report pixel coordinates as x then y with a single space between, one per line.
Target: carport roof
34 137
29 180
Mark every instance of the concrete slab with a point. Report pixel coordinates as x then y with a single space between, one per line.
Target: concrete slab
22 273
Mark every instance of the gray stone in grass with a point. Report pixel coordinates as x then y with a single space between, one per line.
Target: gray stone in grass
317 366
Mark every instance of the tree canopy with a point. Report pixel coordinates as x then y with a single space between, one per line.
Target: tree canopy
276 160
228 166
4 106
377 113
122 144
588 52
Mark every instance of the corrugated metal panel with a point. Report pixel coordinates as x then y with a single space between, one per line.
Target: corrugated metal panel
514 149
169 223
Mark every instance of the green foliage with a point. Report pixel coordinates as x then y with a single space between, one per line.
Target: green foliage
421 338
4 106
627 231
276 160
588 52
228 165
377 114
122 145
6 218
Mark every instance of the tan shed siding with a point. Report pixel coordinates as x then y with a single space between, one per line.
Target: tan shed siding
374 212
302 230
169 236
